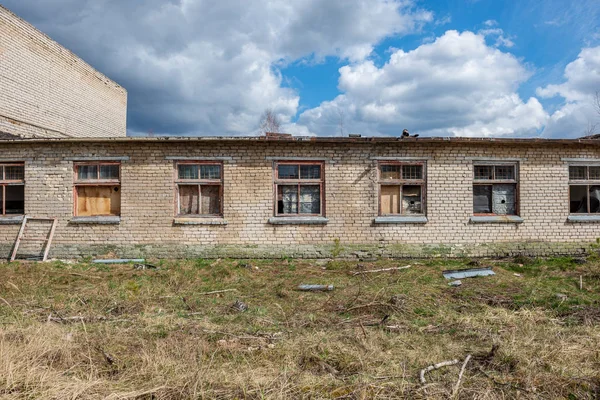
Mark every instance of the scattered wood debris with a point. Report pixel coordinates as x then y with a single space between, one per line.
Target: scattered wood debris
435 366
369 271
315 288
239 306
460 375
217 291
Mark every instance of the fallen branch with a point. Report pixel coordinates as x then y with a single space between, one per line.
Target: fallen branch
217 291
436 366
460 375
380 270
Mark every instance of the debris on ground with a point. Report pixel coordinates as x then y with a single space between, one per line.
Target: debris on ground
379 270
435 366
239 306
467 273
518 275
561 296
315 288
118 261
455 283
141 267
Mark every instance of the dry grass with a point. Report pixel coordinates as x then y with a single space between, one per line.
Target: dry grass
152 334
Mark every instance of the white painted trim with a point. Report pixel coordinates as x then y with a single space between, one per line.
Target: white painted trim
586 161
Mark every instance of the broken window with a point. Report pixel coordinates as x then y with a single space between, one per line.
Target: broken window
299 188
97 189
199 189
12 189
495 188
401 188
584 189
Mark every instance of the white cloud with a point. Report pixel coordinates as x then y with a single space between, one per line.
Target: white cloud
582 81
457 85
211 67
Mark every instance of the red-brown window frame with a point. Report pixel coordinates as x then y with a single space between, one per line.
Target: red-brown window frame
402 182
13 182
587 182
493 181
92 182
199 182
299 182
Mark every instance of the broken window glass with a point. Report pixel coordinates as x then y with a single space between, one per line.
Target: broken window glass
287 171
287 199
187 171
503 199
310 199
210 204
87 172
310 172
411 199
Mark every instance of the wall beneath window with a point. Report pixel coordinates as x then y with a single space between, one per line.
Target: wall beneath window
147 201
47 91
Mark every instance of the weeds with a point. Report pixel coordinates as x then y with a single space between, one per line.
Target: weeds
78 330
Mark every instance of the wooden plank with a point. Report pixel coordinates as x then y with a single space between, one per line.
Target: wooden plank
49 242
18 241
390 196
98 200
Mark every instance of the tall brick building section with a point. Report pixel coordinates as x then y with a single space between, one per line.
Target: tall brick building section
46 91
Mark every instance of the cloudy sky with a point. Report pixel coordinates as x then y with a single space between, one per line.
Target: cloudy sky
514 68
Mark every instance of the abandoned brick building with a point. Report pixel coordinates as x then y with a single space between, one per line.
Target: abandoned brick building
64 155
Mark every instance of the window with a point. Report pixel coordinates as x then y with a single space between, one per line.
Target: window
12 189
495 189
97 189
401 188
299 188
199 189
584 189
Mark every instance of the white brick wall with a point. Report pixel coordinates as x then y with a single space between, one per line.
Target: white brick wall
47 91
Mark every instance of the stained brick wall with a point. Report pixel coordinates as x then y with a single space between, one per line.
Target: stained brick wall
147 213
47 91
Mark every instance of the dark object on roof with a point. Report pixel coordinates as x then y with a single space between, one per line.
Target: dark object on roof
596 136
8 136
278 136
405 133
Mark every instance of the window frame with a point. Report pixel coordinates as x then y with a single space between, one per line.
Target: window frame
199 182
93 182
491 182
12 182
299 182
402 182
587 182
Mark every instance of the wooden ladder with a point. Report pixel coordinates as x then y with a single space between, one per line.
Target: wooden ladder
46 240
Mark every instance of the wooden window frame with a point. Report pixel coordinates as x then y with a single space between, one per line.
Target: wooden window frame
587 182
299 182
200 183
403 182
93 182
494 181
12 182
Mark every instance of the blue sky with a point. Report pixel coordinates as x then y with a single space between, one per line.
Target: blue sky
330 67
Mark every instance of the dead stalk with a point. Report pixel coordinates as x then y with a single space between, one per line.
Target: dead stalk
435 366
380 270
460 375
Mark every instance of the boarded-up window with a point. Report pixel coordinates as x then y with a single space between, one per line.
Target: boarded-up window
495 188
401 188
97 189
584 189
299 188
199 189
12 189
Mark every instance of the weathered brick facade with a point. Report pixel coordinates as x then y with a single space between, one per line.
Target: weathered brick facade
47 91
147 225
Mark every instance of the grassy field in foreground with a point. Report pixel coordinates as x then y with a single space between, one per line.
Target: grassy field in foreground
83 331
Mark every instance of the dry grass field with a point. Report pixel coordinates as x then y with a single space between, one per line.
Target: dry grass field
87 331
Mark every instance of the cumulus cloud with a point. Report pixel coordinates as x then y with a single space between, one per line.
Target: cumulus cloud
582 82
457 85
198 67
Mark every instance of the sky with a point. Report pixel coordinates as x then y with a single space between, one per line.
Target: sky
484 68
